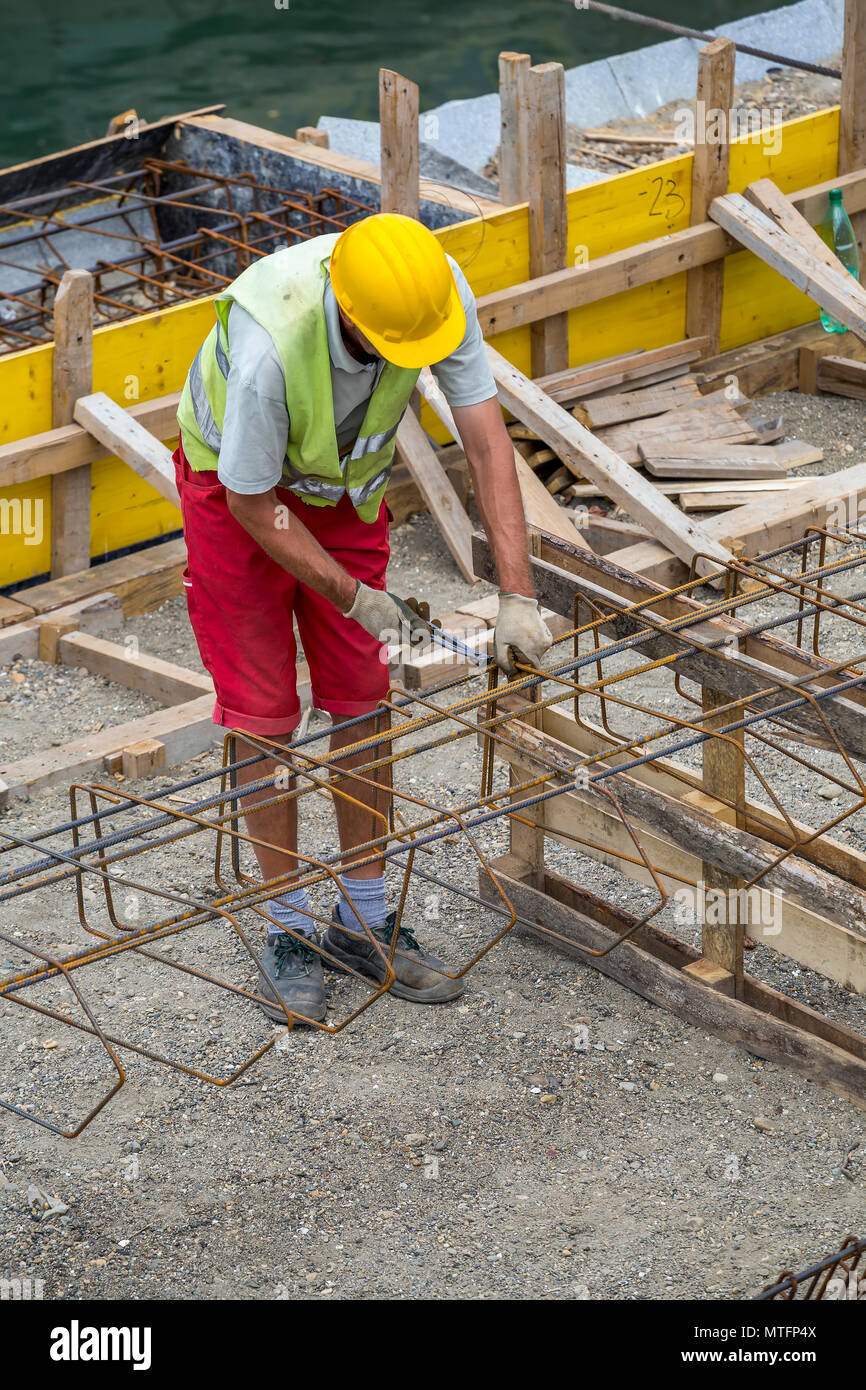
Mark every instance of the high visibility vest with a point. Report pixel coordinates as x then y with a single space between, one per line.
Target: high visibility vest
283 292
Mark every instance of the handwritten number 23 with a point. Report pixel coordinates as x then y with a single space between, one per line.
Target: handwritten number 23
667 196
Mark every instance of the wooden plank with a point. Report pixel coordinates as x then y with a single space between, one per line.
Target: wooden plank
735 461
542 511
835 368
518 305
50 633
588 456
653 966
837 292
724 778
841 376
618 407
795 453
513 132
72 377
185 730
419 456
702 500
686 425
671 776
771 201
98 613
13 612
548 216
699 832
761 526
540 508
627 368
160 680
715 97
143 758
811 939
771 364
852 113
122 435
706 487
142 581
311 135
72 446
398 123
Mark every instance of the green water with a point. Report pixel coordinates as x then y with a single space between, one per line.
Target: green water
68 67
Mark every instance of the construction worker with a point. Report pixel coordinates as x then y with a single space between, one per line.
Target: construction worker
287 424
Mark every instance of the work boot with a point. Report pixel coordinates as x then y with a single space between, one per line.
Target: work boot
419 976
294 975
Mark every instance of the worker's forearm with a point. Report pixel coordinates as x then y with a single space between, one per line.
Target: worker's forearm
500 505
293 547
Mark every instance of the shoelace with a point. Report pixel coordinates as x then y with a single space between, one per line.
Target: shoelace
286 946
405 935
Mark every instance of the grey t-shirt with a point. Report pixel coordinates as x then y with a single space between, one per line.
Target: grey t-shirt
256 422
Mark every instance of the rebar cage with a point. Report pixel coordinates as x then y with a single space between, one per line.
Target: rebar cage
839 1276
688 758
161 234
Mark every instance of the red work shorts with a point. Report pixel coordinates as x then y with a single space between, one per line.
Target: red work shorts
241 604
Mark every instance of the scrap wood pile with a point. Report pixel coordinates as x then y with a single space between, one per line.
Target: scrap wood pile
707 447
647 429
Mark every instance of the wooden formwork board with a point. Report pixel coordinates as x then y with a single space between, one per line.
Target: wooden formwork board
138 361
657 965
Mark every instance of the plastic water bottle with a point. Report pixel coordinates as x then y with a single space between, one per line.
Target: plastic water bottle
838 233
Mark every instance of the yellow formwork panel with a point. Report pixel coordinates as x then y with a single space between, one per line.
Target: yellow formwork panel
138 360
147 357
21 556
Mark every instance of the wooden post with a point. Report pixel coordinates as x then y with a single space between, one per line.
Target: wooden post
73 377
852 117
808 371
311 135
724 776
527 841
715 97
548 223
513 142
398 121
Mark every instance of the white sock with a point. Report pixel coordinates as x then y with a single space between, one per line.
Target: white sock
287 910
369 894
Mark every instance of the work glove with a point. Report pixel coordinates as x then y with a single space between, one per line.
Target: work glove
520 633
385 616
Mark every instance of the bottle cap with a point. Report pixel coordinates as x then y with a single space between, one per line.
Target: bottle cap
835 195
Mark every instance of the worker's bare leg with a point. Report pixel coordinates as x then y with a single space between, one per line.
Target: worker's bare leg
275 825
419 976
357 824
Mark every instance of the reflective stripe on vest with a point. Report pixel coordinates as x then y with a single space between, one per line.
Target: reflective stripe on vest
308 485
221 355
362 494
208 428
372 442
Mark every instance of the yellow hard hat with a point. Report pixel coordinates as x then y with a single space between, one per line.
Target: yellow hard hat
392 279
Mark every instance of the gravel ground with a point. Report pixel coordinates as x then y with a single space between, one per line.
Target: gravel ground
548 1135
783 93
